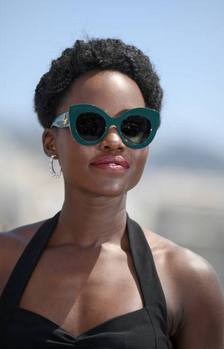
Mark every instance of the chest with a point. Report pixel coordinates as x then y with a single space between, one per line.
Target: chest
78 290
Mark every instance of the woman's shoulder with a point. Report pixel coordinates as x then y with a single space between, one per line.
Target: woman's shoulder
12 245
182 263
19 236
192 290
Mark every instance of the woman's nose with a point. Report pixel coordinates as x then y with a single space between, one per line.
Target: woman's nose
112 141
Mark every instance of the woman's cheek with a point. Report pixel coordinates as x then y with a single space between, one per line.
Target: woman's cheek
139 165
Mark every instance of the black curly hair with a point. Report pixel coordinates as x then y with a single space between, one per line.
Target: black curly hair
95 54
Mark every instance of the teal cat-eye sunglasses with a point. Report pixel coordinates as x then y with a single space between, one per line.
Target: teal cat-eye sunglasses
89 124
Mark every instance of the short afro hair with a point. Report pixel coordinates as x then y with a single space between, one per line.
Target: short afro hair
95 54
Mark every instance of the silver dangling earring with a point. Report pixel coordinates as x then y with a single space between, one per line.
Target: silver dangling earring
52 171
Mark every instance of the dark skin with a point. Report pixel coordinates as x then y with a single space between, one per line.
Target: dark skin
86 274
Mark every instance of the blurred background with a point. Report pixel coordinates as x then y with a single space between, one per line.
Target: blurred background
181 195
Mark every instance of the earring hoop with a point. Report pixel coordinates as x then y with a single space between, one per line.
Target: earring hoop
52 171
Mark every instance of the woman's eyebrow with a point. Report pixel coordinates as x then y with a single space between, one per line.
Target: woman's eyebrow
120 112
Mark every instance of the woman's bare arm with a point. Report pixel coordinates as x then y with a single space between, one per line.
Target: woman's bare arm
202 323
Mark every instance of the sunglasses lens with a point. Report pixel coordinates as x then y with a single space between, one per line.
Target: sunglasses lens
90 126
136 129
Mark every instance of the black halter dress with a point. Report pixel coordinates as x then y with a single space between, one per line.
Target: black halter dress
141 329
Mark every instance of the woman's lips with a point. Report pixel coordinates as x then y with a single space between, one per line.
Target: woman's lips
111 163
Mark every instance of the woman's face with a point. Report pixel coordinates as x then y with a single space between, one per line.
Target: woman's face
81 167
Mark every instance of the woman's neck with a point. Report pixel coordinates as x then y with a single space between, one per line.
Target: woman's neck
88 221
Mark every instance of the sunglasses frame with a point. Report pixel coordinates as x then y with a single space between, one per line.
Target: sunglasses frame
68 119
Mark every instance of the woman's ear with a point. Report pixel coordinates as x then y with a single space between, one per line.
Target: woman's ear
49 140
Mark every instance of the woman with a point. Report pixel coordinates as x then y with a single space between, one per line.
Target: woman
88 278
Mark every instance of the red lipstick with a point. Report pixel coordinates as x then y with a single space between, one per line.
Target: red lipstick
111 163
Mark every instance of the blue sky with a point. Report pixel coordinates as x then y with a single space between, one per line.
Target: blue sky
184 39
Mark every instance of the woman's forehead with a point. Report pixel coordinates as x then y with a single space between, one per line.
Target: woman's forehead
109 90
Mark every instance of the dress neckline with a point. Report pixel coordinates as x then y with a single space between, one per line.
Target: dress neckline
142 258
89 330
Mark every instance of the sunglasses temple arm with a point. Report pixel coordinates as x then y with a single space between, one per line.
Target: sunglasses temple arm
62 120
